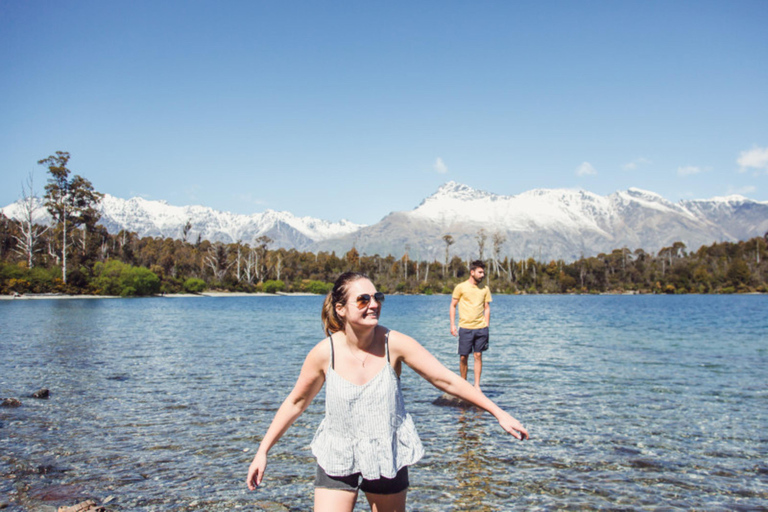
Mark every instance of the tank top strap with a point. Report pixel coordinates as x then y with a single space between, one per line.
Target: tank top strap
386 345
330 340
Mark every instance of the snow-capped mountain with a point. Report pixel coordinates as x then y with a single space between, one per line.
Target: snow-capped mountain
555 224
158 218
543 223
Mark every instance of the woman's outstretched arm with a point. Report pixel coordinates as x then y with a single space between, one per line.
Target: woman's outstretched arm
307 386
425 364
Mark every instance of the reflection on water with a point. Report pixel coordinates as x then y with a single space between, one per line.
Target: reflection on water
473 475
633 403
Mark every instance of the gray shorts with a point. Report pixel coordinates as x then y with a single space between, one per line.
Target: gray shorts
472 340
354 482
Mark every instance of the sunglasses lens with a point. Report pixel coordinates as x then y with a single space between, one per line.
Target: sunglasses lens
365 299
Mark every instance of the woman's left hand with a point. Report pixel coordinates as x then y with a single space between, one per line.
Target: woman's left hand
256 471
512 426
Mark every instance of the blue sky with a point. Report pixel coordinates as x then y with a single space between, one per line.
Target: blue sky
356 109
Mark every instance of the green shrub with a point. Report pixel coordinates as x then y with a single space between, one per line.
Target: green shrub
272 286
43 279
117 278
318 287
12 271
194 285
18 285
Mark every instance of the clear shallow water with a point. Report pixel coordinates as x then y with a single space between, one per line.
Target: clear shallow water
633 403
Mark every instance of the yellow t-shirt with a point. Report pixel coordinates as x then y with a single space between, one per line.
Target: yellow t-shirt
472 301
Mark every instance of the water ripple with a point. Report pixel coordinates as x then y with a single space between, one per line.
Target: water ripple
633 403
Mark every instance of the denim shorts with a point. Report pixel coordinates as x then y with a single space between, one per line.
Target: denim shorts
472 340
356 481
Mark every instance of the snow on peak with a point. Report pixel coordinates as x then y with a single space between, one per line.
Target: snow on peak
455 190
731 199
551 209
638 192
571 221
158 218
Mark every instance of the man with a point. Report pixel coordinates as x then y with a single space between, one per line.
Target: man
474 301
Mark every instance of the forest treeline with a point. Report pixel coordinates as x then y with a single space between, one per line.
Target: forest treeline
75 255
126 264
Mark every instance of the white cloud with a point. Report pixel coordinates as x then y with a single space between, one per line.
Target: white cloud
440 166
585 169
634 164
689 170
755 158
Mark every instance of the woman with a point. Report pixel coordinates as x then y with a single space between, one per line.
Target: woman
367 440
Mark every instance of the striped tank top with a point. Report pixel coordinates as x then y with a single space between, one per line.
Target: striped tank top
366 428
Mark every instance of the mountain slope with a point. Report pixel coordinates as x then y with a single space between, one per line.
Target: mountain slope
159 219
554 224
543 224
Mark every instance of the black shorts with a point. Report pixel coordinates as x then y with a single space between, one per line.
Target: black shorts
472 340
354 482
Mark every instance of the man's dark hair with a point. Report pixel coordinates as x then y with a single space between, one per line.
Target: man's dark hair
476 264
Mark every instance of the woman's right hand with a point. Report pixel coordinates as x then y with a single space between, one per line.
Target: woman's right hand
256 471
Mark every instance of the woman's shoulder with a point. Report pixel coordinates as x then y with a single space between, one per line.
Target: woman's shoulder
320 354
399 340
393 334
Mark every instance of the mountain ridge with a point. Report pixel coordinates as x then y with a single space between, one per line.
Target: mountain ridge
555 223
541 223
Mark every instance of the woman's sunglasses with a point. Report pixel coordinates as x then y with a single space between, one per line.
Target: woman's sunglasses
365 299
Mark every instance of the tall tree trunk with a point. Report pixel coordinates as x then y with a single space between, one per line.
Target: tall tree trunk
64 250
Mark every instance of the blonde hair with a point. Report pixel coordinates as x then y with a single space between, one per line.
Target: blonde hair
338 295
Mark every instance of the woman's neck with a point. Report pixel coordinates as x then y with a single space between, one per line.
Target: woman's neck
362 338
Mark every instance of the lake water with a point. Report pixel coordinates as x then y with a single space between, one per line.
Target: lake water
633 403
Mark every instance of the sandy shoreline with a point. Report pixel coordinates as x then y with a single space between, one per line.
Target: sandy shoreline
57 296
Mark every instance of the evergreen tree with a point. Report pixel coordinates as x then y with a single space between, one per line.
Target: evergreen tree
70 201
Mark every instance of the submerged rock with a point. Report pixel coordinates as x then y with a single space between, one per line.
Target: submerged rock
58 493
43 393
11 402
449 400
85 506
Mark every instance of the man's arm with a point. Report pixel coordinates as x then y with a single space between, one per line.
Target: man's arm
488 314
452 316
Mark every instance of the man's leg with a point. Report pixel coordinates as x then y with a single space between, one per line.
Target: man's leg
478 368
480 345
465 347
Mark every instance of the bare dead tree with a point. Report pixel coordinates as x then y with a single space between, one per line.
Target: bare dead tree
217 260
449 241
30 232
405 262
278 265
481 237
498 241
262 250
251 266
186 229
239 257
104 249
